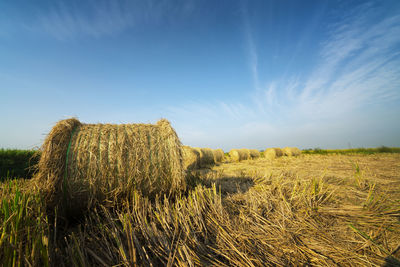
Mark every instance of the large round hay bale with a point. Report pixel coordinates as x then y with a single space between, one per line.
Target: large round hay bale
246 153
270 153
234 154
239 154
191 158
291 151
278 151
218 155
287 151
296 151
86 163
206 157
254 153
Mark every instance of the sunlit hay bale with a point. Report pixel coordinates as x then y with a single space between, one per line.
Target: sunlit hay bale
82 164
278 151
291 151
287 151
218 155
234 154
191 158
239 154
296 151
270 153
254 153
206 157
246 154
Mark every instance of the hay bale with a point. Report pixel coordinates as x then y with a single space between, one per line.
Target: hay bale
287 151
218 155
246 153
291 151
272 153
254 153
206 157
86 163
278 151
239 154
191 158
295 151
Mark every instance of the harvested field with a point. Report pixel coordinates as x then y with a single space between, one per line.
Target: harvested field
310 210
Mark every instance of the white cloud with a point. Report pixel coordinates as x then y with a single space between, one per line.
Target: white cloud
358 66
69 20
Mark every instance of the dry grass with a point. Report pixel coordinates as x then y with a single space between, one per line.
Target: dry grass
82 164
311 210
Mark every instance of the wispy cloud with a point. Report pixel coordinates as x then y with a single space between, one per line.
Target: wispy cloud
358 65
66 20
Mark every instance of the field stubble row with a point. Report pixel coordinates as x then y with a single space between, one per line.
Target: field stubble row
308 210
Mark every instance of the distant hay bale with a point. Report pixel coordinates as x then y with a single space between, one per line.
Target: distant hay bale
296 151
218 155
246 153
254 153
191 158
287 151
272 153
239 154
206 157
278 151
291 151
86 163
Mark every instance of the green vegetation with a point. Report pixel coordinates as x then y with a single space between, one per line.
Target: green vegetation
24 227
367 151
17 163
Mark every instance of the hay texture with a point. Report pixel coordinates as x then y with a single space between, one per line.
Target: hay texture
218 155
191 158
86 163
239 154
291 151
254 153
206 157
272 153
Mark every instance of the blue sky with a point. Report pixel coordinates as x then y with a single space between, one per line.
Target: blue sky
226 74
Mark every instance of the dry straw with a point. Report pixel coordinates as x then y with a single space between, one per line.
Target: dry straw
272 153
206 157
86 163
239 154
191 158
218 155
254 153
291 151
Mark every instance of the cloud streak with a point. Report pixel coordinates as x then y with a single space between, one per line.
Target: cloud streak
358 66
95 19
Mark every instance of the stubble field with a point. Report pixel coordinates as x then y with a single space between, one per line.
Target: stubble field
318 210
